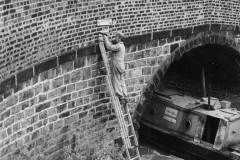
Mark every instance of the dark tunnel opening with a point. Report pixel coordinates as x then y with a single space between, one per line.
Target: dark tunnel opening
218 66
164 115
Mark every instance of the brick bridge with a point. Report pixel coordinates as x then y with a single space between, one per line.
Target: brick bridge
54 102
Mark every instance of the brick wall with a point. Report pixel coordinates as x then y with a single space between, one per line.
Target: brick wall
63 110
33 31
53 97
225 12
62 106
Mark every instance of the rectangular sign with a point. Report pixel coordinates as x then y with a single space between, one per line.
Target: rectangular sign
170 119
104 22
171 112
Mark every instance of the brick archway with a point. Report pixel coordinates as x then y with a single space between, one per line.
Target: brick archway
178 50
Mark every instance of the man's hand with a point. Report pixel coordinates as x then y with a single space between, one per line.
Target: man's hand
100 38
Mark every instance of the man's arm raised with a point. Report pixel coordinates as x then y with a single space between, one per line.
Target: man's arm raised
110 46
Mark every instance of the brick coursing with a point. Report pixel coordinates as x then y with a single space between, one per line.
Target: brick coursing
53 94
72 100
49 111
34 31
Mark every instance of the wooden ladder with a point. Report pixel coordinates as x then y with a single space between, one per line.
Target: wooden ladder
123 115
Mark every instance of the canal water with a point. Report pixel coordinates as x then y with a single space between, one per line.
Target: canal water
148 153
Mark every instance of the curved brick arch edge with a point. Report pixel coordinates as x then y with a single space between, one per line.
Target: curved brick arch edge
178 50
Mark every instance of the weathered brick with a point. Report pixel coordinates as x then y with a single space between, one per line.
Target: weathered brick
62 90
79 62
100 80
81 85
67 57
43 76
101 95
201 28
183 32
57 82
66 67
71 104
65 129
16 127
9 131
51 111
83 114
29 129
173 47
76 110
35 134
6 85
101 108
6 150
24 105
74 95
5 115
66 78
3 134
32 120
26 139
43 115
33 101
42 97
11 101
58 124
37 89
70 88
76 75
61 108
9 121
161 34
97 115
29 112
65 114
46 86
71 119
65 98
146 71
53 118
44 66
26 95
79 101
41 107
19 116
86 73
52 73
38 125
52 94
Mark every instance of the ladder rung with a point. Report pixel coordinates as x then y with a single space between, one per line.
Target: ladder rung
131 136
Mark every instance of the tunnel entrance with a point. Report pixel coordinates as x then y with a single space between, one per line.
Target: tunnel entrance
207 70
171 110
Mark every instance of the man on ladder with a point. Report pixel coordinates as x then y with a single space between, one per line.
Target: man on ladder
118 92
118 67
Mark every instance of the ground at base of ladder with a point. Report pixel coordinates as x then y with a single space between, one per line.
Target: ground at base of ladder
147 153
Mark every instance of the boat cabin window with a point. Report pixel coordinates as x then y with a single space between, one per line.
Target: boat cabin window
210 130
